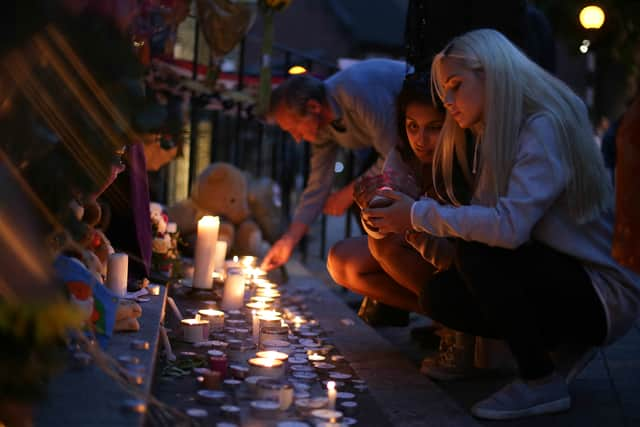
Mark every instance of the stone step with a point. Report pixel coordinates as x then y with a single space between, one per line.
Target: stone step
405 396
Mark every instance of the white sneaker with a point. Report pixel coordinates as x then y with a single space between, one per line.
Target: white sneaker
519 399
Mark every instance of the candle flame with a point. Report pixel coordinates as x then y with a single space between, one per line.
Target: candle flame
331 385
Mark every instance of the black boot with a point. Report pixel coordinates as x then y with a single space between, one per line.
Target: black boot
376 313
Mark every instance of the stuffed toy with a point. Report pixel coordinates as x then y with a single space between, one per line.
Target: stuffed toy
221 190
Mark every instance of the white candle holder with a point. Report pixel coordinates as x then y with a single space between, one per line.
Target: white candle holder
233 293
269 368
215 318
195 330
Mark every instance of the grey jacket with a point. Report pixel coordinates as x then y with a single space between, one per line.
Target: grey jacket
363 99
534 208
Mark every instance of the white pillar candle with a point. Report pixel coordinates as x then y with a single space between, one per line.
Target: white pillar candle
205 246
331 394
233 294
219 255
117 271
195 330
270 368
215 318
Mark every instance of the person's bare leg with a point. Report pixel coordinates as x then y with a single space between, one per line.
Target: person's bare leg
351 265
402 263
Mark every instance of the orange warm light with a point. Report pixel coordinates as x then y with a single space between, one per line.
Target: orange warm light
297 69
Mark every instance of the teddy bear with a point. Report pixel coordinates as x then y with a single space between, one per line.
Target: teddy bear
221 190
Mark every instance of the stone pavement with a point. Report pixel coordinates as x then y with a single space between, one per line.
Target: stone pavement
607 393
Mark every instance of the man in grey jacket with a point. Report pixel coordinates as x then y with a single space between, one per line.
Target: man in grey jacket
354 108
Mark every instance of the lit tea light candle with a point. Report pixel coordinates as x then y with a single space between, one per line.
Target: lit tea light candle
331 394
257 305
153 289
271 293
298 322
247 261
215 318
195 330
264 283
233 293
269 368
270 354
326 415
267 300
315 357
269 318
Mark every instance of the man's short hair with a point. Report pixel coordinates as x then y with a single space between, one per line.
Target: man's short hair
294 93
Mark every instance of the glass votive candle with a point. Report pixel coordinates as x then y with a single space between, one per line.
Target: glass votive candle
269 368
274 333
326 415
270 354
215 318
315 357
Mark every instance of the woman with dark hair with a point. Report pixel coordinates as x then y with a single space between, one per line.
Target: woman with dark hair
392 267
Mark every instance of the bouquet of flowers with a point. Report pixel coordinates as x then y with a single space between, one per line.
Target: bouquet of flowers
165 257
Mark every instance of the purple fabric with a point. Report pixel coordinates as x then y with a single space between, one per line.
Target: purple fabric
139 199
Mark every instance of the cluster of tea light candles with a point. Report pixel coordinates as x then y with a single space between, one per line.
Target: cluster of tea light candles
280 372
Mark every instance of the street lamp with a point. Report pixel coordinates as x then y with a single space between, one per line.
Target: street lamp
591 18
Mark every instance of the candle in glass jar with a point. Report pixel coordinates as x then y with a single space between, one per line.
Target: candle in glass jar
117 271
233 294
215 318
270 368
205 245
275 355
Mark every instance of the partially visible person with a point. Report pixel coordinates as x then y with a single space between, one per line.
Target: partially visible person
533 261
351 109
386 267
626 240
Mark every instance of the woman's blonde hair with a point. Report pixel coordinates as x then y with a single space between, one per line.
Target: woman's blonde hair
516 88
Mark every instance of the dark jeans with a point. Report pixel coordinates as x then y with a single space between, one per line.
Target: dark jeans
533 297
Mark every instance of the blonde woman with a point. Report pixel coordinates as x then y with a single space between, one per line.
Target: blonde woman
533 263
